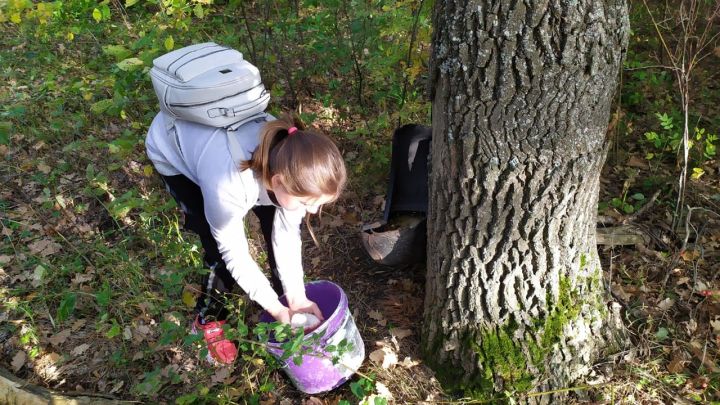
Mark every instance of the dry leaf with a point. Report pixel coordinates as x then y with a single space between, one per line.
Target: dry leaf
44 247
715 325
18 361
637 162
677 365
44 168
80 349
351 218
286 402
690 255
82 278
699 351
691 326
117 386
5 259
78 324
60 338
385 356
400 333
220 375
383 390
409 363
682 280
666 304
378 317
313 401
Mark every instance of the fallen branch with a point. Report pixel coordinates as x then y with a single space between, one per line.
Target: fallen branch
621 236
16 391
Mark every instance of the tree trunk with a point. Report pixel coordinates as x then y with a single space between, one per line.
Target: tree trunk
521 94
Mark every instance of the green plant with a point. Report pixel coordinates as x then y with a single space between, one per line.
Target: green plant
669 140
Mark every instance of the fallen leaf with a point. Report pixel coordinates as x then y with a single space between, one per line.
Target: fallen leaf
220 375
38 275
5 259
78 324
400 333
60 337
409 363
127 333
691 326
383 390
313 401
351 218
699 351
286 402
690 255
677 364
666 304
715 325
378 317
117 386
80 349
637 162
82 278
385 356
18 361
44 168
44 247
682 280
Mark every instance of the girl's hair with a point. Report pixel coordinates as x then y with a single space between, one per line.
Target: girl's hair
308 162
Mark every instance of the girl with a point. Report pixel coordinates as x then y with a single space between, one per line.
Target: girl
283 173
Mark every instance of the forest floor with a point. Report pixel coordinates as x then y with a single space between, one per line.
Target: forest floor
98 281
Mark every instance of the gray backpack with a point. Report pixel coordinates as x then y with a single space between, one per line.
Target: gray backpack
209 84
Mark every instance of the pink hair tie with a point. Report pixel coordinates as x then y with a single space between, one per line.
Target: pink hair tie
292 130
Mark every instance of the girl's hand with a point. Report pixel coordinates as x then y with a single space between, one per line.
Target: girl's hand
305 306
280 312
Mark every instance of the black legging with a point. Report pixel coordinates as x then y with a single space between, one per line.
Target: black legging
219 282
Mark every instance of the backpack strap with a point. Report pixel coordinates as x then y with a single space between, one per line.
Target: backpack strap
172 132
233 144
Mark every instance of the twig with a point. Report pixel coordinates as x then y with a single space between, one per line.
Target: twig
637 214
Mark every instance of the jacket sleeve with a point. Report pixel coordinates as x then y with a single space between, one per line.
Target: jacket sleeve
287 246
225 209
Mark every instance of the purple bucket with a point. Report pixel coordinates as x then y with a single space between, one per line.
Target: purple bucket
317 374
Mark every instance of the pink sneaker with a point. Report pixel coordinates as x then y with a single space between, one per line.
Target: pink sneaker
220 350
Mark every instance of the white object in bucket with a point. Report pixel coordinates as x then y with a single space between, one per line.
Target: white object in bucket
306 321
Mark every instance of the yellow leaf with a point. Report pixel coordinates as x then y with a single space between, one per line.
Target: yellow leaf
97 15
147 170
169 43
15 17
697 173
188 299
70 36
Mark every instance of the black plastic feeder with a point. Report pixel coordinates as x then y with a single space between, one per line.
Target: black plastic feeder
401 236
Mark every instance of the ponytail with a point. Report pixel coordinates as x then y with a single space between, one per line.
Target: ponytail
308 162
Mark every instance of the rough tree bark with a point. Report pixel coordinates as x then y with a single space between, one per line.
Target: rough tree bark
521 96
